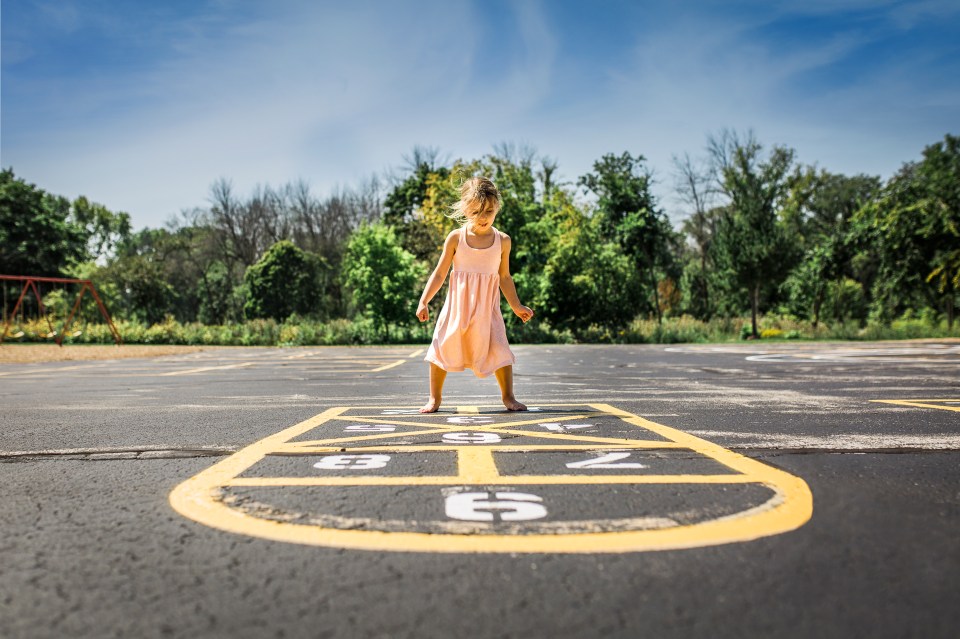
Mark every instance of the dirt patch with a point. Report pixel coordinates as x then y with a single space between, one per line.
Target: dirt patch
29 353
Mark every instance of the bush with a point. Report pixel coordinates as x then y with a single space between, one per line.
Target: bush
297 331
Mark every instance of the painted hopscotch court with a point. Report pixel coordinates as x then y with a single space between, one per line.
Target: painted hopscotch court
567 478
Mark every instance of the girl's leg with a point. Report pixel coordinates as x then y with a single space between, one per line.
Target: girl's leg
437 376
505 379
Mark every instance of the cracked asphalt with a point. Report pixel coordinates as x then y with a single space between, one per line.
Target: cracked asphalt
91 547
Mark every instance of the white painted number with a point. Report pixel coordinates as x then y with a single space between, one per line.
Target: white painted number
471 438
469 420
605 461
495 507
563 427
372 428
352 462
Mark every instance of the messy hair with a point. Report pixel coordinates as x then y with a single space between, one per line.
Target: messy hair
475 193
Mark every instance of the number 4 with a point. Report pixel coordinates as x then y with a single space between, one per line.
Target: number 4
605 462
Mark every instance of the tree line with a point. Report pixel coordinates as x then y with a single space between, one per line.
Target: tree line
761 233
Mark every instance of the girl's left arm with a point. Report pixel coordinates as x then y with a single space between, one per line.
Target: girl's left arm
506 281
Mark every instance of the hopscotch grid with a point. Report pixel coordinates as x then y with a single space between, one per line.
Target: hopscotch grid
790 507
476 465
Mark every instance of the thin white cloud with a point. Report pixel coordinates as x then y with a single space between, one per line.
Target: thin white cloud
332 93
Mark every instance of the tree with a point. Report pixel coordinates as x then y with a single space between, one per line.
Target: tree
284 281
585 280
912 231
694 185
142 278
939 174
37 234
751 243
629 215
822 206
105 229
403 203
383 277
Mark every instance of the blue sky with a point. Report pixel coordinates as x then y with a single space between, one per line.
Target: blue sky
142 105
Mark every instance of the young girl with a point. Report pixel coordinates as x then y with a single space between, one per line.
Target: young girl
470 331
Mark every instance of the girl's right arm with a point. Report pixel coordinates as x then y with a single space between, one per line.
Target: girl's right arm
438 276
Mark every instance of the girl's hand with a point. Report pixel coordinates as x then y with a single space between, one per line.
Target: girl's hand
422 312
524 313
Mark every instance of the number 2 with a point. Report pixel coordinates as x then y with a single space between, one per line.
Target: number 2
604 461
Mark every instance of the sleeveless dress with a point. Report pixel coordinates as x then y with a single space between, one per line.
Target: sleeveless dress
470 332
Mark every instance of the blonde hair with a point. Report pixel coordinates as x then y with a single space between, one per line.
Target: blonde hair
479 191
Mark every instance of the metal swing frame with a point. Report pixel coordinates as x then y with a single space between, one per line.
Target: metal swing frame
30 283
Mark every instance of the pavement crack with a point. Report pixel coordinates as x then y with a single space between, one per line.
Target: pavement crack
115 453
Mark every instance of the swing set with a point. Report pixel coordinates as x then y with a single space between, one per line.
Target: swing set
32 283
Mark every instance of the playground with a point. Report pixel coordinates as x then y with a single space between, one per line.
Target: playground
696 490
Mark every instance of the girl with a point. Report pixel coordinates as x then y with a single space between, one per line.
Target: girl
470 331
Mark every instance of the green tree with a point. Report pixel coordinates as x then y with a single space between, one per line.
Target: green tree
37 234
629 215
403 203
751 243
383 276
139 275
824 206
105 229
912 233
586 281
284 281
939 174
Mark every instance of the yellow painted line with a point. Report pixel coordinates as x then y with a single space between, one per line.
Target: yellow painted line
920 403
49 370
791 505
494 406
401 420
468 410
459 480
191 371
415 353
306 448
363 438
477 466
388 366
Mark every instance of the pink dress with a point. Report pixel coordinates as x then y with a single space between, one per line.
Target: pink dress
470 332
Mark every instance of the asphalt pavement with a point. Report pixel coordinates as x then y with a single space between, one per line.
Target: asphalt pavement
758 490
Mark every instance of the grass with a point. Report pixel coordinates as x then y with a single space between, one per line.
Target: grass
343 332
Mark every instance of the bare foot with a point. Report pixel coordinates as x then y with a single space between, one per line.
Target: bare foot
431 406
512 404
